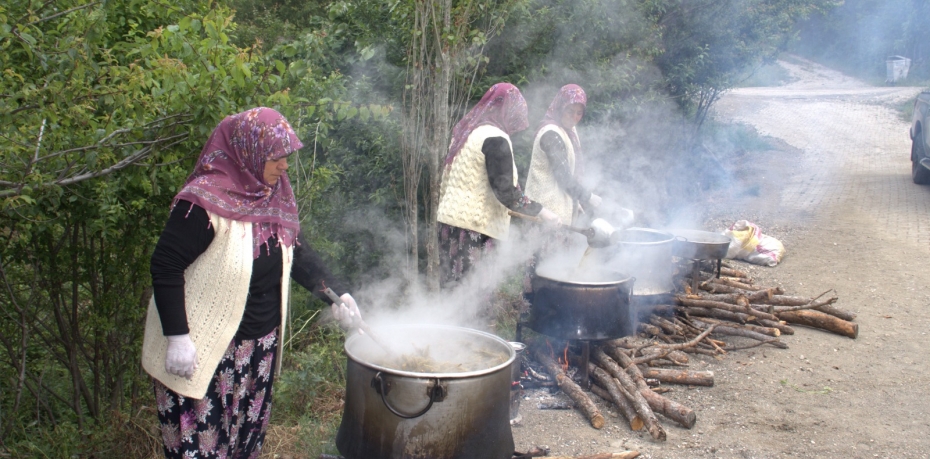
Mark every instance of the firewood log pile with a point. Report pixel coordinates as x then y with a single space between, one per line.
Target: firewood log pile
724 314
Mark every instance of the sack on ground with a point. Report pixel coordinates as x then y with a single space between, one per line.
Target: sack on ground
748 243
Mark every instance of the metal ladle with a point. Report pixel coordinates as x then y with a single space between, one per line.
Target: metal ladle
357 322
598 234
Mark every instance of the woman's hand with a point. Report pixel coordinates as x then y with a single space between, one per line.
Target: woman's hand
347 313
549 217
594 200
181 358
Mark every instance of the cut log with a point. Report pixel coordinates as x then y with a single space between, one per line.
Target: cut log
733 283
737 317
629 342
785 329
838 312
571 389
616 394
650 329
824 308
668 327
719 288
668 408
789 300
687 377
734 331
722 288
685 301
697 350
738 298
769 331
727 271
822 321
636 398
678 357
822 305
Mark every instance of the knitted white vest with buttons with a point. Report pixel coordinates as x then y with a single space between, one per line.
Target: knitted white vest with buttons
466 199
541 185
216 287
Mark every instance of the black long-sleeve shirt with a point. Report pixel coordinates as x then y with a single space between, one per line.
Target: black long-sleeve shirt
498 160
551 144
187 235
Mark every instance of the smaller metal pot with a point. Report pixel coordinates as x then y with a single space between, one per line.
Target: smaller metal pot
700 245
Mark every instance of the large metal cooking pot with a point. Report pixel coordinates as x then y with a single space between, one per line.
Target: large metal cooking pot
700 245
644 253
579 305
445 395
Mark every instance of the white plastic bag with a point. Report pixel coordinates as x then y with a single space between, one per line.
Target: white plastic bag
748 243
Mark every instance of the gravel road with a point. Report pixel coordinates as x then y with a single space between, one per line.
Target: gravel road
837 191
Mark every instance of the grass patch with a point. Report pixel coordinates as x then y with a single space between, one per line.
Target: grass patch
116 435
905 109
309 395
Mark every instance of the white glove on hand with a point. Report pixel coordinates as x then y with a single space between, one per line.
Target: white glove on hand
181 358
549 217
594 200
347 313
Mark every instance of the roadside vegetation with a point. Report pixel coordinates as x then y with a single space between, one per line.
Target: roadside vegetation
104 106
858 36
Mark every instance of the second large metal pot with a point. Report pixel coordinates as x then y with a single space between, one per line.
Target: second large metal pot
644 253
581 305
445 394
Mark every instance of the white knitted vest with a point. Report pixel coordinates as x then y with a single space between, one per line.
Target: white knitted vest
466 199
541 185
216 287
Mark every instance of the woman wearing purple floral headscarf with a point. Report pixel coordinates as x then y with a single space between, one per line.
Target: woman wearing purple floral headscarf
479 182
220 275
554 177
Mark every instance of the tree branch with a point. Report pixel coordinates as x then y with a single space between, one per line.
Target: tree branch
128 161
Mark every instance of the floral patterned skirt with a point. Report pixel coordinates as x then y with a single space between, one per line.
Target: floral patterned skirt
230 421
459 250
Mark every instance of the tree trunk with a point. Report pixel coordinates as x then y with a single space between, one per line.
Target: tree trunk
438 147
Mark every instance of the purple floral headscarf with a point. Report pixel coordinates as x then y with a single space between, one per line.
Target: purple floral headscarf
568 94
502 107
228 179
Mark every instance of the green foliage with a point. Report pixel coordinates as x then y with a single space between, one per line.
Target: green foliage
858 35
103 108
601 45
709 44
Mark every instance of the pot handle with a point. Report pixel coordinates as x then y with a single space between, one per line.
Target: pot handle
435 391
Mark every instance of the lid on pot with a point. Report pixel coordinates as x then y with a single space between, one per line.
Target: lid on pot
428 350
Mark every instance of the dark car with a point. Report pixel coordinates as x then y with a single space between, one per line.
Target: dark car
920 140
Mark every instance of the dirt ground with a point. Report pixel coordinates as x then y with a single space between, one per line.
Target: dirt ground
836 190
